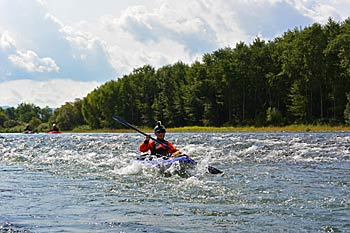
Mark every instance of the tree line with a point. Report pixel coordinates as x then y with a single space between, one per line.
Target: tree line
68 116
14 119
302 76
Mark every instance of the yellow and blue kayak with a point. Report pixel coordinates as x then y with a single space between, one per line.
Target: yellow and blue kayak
165 162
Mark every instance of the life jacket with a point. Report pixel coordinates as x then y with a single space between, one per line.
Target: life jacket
160 149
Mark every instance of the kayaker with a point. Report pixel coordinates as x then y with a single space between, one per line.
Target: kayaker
28 129
54 128
161 147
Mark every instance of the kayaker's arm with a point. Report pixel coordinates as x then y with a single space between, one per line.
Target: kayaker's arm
145 145
148 137
173 150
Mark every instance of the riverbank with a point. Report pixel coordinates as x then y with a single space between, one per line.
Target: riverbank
204 129
290 128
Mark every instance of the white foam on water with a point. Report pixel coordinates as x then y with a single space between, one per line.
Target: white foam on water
134 168
247 152
275 155
233 157
173 169
202 165
191 182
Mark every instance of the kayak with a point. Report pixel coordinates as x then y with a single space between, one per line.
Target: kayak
54 132
184 161
160 162
28 132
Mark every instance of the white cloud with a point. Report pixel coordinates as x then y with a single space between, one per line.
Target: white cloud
32 63
44 45
319 11
170 32
52 93
165 34
6 41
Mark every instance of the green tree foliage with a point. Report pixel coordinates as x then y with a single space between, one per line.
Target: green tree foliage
15 118
338 66
11 123
3 117
25 112
35 122
298 102
68 115
169 101
137 96
90 110
347 110
274 117
242 86
45 113
193 100
11 113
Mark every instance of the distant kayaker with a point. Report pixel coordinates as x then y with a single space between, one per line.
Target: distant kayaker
28 129
161 147
54 128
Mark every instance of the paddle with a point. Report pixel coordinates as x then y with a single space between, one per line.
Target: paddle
136 129
211 170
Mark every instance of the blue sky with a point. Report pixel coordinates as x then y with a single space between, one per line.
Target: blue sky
53 51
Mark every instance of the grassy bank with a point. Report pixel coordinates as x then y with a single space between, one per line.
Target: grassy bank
203 129
290 128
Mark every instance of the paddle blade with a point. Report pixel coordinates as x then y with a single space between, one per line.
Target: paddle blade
213 170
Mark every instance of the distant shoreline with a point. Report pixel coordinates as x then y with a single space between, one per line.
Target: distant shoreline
204 129
230 129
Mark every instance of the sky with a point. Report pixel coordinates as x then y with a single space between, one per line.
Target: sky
55 51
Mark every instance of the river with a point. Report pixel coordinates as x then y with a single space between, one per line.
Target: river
272 182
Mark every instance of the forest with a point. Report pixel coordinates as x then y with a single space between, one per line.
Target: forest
300 77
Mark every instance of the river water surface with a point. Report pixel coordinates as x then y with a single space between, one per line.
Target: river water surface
272 182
